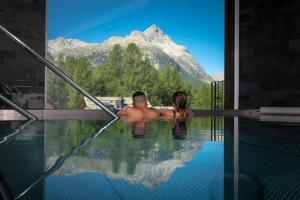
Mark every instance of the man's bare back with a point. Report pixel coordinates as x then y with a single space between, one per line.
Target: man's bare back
137 114
139 110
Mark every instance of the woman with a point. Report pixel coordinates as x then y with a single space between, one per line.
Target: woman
180 104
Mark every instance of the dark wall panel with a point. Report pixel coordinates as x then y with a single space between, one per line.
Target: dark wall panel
229 55
21 76
269 53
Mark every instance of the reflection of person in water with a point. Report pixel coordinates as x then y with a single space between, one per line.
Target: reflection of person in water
179 130
139 129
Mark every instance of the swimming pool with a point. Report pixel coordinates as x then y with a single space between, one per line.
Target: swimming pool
204 158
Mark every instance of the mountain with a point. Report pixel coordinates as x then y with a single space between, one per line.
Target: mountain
154 44
61 43
219 76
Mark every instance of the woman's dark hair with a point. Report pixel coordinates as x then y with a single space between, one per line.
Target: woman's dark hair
179 99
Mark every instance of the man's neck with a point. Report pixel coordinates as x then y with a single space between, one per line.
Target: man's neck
141 108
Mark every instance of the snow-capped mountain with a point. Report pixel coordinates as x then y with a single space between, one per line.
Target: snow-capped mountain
153 42
61 43
154 37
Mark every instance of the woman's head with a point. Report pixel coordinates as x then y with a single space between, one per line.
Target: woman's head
180 103
179 100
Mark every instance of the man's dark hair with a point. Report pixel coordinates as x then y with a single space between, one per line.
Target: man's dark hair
138 93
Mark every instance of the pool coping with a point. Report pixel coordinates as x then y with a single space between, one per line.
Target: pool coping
11 115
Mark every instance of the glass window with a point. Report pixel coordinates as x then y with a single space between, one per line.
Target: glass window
114 48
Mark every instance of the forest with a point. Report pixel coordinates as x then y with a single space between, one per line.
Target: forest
125 71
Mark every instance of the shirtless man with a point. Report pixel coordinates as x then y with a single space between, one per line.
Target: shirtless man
139 111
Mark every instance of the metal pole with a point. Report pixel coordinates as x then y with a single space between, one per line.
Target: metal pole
223 95
236 166
236 54
217 128
215 94
218 85
211 95
55 69
211 129
27 114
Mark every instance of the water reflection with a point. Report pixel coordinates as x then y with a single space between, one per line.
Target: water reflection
118 154
139 128
179 129
116 165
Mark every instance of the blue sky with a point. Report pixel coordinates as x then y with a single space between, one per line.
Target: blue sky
196 24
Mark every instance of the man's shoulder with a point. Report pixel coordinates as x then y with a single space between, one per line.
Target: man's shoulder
125 110
153 110
128 107
132 109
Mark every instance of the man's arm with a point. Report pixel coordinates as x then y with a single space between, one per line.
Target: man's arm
153 113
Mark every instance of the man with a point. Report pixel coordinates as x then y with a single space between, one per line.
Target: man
139 109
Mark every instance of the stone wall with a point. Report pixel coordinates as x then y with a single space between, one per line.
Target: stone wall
21 76
269 53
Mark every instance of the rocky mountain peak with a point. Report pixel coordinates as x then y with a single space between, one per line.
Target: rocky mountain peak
155 34
61 43
153 29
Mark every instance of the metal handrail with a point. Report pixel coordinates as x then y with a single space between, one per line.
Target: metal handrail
18 130
216 88
27 114
55 69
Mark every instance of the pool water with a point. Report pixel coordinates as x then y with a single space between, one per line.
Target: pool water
203 158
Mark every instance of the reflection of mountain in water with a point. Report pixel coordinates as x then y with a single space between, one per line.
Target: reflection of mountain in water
149 161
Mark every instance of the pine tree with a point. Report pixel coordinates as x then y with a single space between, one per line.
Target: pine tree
125 72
